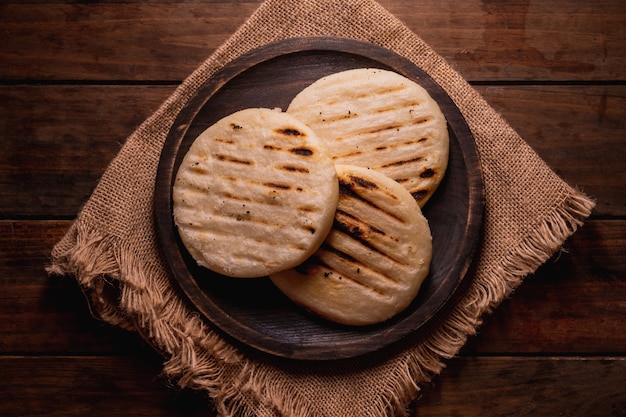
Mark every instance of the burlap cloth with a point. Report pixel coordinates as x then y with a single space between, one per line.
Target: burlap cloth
111 249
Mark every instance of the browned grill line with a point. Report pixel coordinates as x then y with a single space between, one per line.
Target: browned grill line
422 121
348 190
403 162
357 264
389 90
293 168
332 272
350 114
222 140
275 186
228 158
370 228
379 129
394 146
356 234
245 217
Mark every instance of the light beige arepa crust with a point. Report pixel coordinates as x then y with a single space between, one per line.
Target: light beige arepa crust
381 120
255 194
374 259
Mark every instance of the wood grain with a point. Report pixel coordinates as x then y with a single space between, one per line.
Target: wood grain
85 385
577 130
520 387
60 138
512 40
96 386
574 303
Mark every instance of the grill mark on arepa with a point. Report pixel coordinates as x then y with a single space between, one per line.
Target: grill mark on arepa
330 272
274 186
356 233
399 108
307 209
419 194
290 131
373 229
293 168
302 151
229 158
394 146
348 155
298 150
427 173
233 217
422 120
235 197
198 169
382 92
410 106
378 129
337 117
223 140
357 265
357 230
277 186
402 162
363 182
348 189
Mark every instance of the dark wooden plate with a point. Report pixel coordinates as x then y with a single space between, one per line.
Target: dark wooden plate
252 311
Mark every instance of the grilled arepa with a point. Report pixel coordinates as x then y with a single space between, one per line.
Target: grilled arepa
255 194
381 120
375 257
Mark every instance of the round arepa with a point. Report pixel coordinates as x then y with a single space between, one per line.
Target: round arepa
382 120
255 194
375 258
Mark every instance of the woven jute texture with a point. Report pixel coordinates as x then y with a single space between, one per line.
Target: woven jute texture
112 249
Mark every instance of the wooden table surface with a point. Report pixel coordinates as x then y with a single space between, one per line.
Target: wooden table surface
78 77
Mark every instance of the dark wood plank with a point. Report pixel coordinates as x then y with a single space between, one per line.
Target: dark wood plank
39 314
157 41
523 39
61 138
520 387
93 386
573 304
122 386
577 130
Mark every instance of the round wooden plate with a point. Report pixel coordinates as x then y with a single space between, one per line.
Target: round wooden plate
252 311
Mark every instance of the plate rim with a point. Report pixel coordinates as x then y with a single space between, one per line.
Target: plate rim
162 209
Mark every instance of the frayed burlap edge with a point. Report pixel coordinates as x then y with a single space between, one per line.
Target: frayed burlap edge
199 359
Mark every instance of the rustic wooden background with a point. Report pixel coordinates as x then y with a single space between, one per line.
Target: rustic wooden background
77 77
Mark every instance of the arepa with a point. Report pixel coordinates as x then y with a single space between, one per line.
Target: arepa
255 194
375 258
381 120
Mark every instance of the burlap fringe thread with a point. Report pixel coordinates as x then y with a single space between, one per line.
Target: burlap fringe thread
199 359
